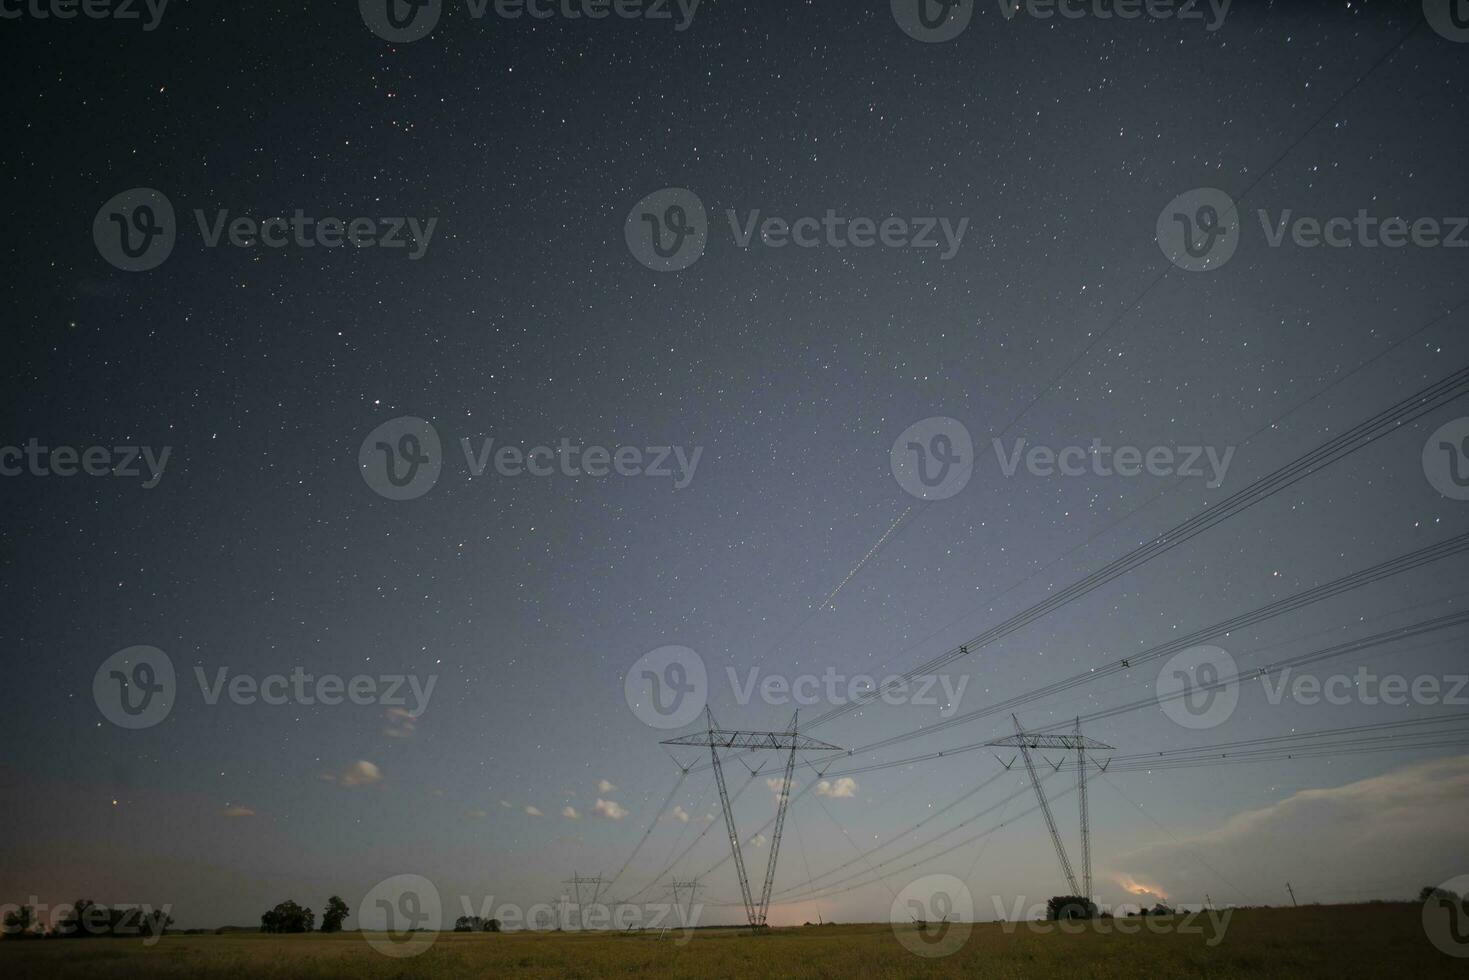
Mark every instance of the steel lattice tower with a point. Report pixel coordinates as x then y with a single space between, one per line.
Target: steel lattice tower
1025 741
788 740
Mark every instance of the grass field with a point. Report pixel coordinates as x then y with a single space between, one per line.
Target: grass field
1341 941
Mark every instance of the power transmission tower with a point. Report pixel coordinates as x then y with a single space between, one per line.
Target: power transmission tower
691 887
788 740
576 881
1026 741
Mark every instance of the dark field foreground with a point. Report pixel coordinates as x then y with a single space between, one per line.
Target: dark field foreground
1341 941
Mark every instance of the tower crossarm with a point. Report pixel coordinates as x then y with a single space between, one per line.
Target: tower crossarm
784 741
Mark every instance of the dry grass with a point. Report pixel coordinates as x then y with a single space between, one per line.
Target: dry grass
1336 942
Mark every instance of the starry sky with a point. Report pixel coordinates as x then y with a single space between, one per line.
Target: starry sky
527 320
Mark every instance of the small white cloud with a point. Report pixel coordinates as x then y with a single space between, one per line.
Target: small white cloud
843 788
235 810
533 811
603 786
506 804
400 723
609 809
361 773
776 784
758 840
569 812
680 814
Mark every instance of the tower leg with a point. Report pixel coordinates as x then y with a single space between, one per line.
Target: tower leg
734 837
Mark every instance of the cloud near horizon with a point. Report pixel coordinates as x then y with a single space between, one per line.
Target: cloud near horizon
1405 827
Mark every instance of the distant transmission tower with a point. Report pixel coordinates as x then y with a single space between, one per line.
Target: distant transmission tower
717 739
576 881
690 887
1026 741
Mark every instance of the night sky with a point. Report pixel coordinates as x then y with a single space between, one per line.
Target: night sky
792 548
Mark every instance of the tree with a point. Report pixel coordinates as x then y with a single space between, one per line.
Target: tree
21 922
288 917
84 918
1070 907
87 918
475 923
331 918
